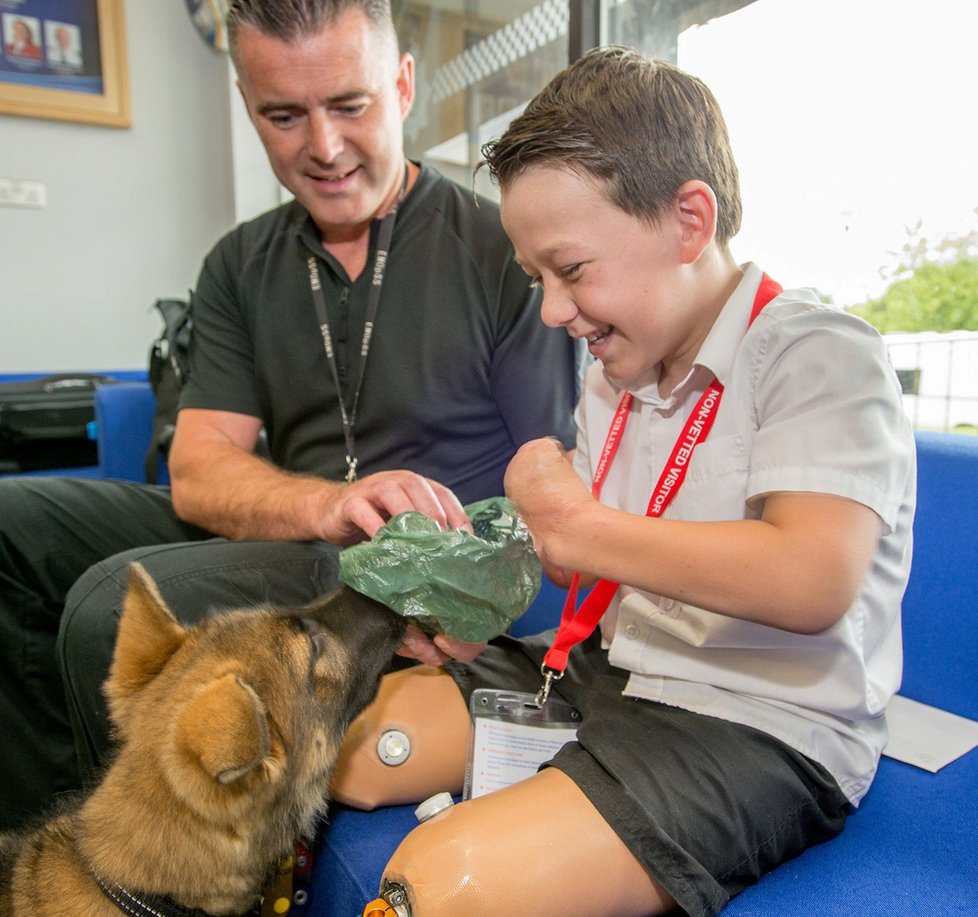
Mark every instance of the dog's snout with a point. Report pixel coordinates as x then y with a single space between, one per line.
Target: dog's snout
356 620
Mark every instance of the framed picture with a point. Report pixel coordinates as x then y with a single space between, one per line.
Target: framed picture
64 59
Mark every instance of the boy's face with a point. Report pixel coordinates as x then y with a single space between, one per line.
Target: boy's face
607 276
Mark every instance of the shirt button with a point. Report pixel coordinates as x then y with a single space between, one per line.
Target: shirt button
667 604
631 631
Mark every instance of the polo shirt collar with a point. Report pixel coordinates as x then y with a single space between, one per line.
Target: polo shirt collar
309 234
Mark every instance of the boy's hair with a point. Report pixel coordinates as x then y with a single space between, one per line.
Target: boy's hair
642 127
292 19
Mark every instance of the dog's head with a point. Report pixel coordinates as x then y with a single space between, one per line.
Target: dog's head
243 714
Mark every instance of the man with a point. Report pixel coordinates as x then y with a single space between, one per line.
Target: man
459 371
63 49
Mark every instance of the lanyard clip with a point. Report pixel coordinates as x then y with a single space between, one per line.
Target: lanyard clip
549 677
351 469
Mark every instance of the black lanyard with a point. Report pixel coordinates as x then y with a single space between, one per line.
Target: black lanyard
349 414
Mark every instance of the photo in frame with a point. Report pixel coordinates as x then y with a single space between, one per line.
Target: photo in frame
66 60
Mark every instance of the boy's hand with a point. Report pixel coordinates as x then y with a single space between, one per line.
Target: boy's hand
545 490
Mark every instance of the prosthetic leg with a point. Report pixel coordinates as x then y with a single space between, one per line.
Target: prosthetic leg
409 744
537 847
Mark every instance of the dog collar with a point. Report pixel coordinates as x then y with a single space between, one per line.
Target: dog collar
145 905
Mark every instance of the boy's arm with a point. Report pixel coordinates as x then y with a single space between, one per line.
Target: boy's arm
797 568
562 576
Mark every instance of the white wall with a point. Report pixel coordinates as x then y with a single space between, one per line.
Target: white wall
130 213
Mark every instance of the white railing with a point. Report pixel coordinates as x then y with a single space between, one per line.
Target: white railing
939 375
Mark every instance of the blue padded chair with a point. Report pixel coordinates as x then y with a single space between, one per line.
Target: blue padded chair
912 846
124 428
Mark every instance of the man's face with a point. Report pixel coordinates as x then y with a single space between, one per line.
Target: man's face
329 109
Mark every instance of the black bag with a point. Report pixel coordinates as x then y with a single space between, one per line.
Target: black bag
44 423
169 367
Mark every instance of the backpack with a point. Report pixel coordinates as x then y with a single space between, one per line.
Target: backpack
169 367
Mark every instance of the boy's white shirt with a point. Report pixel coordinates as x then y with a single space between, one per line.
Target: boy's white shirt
810 403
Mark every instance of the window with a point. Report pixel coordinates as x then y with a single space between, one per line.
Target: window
851 126
478 63
850 123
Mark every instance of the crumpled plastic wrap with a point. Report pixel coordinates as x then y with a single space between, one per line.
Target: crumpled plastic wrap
467 586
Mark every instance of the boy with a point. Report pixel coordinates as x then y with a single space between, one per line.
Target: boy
743 469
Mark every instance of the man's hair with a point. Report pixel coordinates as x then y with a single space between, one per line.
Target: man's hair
641 127
290 20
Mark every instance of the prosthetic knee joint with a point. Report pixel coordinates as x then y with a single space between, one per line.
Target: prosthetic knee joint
393 902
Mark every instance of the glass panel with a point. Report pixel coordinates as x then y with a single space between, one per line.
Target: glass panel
478 62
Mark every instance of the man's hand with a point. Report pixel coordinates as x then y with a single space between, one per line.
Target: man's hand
357 510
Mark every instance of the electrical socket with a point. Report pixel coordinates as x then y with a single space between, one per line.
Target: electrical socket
23 192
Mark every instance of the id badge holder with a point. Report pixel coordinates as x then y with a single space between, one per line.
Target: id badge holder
511 736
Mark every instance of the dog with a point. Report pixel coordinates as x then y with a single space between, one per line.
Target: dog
227 734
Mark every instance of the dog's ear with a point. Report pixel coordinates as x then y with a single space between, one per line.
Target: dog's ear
148 637
224 728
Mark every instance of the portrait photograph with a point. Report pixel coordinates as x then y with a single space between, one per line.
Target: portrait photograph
64 59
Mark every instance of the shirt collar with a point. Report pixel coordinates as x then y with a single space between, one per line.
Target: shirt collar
720 347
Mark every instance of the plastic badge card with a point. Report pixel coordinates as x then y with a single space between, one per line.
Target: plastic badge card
511 737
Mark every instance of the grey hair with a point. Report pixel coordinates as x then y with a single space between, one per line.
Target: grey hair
292 19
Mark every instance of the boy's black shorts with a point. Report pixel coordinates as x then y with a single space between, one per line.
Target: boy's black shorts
707 806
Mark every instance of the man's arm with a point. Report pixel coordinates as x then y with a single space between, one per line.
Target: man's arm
219 484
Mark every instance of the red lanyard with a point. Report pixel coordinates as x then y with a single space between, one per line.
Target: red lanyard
576 626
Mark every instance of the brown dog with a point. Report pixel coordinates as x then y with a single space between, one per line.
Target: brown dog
227 736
